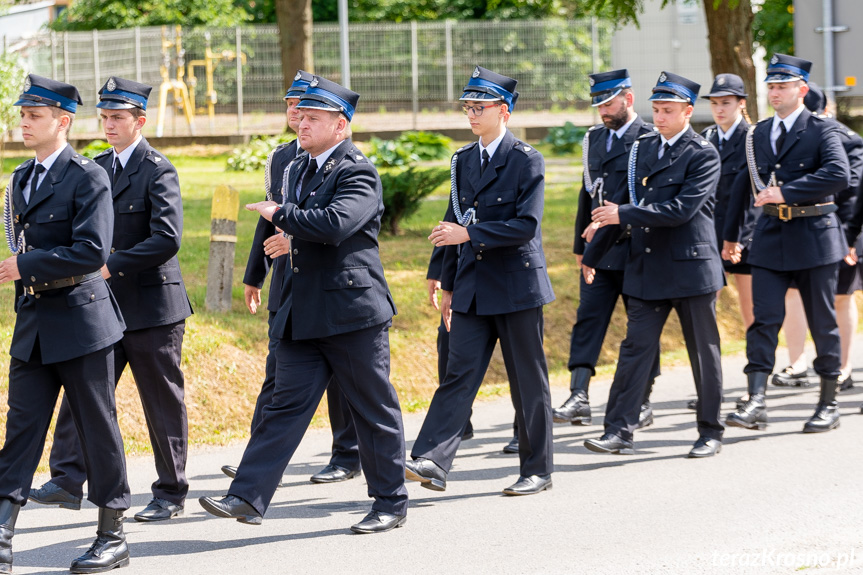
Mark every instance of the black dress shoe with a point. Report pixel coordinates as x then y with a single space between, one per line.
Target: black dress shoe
378 522
846 384
705 447
787 378
529 485
51 494
159 510
511 447
427 472
231 507
229 470
610 443
333 474
645 416
692 404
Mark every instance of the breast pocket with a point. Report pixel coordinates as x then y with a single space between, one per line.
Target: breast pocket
53 214
499 202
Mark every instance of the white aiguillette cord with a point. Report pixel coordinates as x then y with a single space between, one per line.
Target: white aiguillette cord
16 247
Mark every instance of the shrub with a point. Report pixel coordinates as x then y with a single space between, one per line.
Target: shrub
565 139
409 148
253 156
404 191
95 148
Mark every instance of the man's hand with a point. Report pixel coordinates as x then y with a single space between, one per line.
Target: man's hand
9 270
590 232
770 195
252 295
266 209
731 251
446 308
449 234
578 258
433 288
851 258
589 273
277 245
605 215
105 273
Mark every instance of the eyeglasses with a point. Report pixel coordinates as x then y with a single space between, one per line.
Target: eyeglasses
477 110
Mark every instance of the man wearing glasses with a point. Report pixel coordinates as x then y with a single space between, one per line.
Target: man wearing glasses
494 285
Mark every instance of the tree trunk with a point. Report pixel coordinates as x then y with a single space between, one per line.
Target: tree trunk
294 18
729 29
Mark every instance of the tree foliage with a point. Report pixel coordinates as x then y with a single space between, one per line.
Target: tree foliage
113 14
773 27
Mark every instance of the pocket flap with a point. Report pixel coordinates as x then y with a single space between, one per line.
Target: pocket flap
50 214
131 206
697 251
159 277
497 198
347 278
87 292
524 261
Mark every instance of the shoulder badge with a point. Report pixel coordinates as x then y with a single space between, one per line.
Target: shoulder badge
648 134
595 127
704 143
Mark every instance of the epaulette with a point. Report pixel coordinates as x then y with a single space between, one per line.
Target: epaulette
701 140
81 160
24 165
524 148
104 153
649 134
767 119
154 157
596 127
466 147
357 156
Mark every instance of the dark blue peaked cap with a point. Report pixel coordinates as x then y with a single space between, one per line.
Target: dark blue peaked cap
122 94
41 91
324 94
784 68
814 100
726 85
299 85
606 85
487 85
675 88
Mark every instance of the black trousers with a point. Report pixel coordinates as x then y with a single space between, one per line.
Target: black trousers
595 308
88 382
153 354
360 361
645 322
818 291
345 452
472 340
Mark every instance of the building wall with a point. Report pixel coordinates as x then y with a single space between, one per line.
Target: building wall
809 44
25 20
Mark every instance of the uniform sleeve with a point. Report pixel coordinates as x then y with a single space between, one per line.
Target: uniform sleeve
435 263
582 220
355 202
699 185
829 179
166 226
258 264
529 204
739 202
92 228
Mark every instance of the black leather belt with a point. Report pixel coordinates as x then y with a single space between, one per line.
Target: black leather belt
61 283
785 212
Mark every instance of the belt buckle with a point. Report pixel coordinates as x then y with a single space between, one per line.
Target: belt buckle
786 214
29 290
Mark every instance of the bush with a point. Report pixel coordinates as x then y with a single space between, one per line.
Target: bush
409 148
95 148
565 139
253 156
404 191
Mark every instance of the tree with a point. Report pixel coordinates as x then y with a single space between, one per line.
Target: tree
11 80
773 27
113 14
294 18
729 28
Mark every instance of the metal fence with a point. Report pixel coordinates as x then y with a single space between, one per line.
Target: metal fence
406 72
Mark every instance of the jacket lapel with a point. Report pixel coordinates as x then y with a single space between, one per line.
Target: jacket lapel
18 181
324 171
54 175
795 133
496 162
131 168
736 140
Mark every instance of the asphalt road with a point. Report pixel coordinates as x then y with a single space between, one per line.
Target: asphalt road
776 501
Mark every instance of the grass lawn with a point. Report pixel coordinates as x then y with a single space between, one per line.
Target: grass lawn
224 352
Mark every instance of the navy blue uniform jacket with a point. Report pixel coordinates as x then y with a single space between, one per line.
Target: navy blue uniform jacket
260 263
335 283
673 251
811 168
148 227
502 267
67 228
608 250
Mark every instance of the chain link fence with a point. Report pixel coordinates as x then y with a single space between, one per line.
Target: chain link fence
409 74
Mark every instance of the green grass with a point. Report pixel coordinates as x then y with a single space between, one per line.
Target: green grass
224 352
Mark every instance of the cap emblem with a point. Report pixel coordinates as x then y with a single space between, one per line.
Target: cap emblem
774 60
591 81
663 77
721 80
111 85
475 73
27 84
297 77
313 83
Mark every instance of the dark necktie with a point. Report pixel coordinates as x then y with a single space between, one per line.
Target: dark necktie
485 159
118 170
781 139
34 183
612 137
307 177
721 139
662 151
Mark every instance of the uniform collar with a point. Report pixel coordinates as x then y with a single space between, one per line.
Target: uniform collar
324 156
622 130
127 153
673 139
493 146
788 120
727 135
49 161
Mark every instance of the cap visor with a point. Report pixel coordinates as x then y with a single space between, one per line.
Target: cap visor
666 97
603 97
34 104
294 94
722 93
318 105
467 96
779 78
114 105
